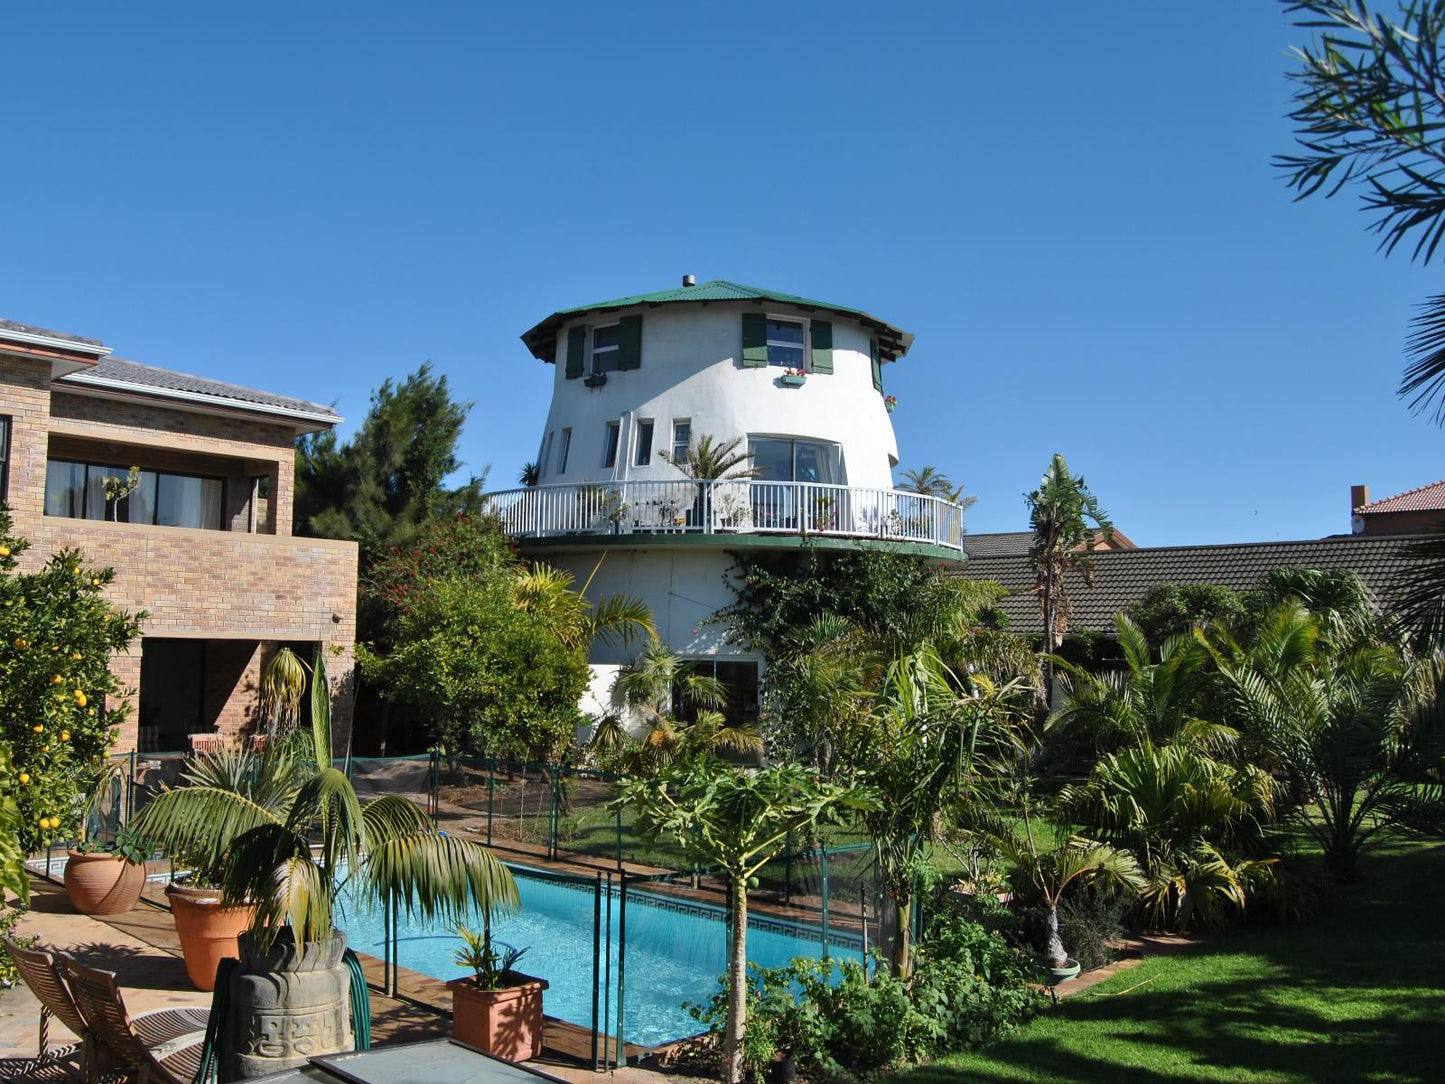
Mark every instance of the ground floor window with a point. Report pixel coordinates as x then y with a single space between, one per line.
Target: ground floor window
738 678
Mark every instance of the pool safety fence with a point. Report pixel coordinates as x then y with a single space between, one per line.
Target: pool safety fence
646 928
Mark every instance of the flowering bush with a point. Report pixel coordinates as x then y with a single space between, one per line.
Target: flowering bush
57 634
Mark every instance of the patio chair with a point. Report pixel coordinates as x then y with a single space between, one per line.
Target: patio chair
163 1046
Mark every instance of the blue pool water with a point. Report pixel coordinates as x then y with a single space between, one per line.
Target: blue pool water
675 953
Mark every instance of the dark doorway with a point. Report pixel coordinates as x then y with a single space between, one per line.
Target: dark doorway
172 693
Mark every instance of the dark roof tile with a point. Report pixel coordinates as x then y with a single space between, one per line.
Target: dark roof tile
162 381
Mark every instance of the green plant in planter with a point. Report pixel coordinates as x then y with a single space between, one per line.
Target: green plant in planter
292 859
125 843
477 955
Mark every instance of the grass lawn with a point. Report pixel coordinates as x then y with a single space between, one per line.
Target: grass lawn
1356 995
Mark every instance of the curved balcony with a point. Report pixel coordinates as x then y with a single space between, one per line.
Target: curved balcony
741 507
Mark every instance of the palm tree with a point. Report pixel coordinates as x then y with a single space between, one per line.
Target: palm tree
1066 521
1358 731
934 483
292 854
713 461
530 474
574 620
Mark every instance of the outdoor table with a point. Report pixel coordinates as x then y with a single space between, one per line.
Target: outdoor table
433 1061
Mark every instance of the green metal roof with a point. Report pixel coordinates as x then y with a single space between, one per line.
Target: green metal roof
893 342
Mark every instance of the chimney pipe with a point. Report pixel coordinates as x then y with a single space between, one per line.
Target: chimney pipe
689 280
1359 495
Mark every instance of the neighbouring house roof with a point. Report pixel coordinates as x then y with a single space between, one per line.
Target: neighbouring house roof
541 340
1429 498
46 333
117 375
1124 576
1017 543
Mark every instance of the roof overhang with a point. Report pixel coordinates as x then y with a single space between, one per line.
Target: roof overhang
89 384
541 339
64 355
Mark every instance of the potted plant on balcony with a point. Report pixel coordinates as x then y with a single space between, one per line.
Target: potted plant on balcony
889 402
291 859
497 1008
793 378
105 877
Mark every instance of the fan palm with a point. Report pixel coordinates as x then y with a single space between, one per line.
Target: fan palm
292 850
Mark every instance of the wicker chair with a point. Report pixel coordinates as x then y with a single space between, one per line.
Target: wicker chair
162 1046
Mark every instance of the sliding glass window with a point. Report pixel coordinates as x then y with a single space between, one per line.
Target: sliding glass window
77 491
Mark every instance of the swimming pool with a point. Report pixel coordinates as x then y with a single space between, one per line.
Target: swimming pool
675 952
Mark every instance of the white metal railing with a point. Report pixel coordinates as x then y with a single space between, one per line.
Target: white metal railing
742 506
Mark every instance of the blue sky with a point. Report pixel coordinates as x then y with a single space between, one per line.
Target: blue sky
1071 206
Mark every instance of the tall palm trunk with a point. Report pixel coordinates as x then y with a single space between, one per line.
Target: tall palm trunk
1057 954
900 952
737 986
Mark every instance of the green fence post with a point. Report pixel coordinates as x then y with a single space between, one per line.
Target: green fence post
491 790
130 789
788 871
621 969
619 837
823 863
553 811
596 962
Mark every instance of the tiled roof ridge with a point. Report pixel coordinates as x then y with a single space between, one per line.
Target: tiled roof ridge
1346 539
1375 506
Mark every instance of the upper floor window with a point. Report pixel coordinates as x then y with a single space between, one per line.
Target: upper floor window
4 458
542 456
605 353
786 342
604 349
643 455
609 454
161 498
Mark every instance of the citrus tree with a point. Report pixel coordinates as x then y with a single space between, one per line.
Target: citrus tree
57 636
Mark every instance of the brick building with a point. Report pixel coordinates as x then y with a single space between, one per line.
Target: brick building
1416 511
203 543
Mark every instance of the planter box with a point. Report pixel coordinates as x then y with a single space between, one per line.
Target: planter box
792 381
506 1022
596 380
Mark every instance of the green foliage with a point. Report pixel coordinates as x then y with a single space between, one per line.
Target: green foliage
492 678
479 956
934 483
1173 609
969 989
12 823
383 485
57 636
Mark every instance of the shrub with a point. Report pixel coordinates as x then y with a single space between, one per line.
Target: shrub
57 634
967 989
9 916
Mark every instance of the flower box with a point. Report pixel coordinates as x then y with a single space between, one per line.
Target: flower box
506 1022
595 380
792 380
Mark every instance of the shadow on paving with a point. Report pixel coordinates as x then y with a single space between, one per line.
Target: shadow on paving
1354 995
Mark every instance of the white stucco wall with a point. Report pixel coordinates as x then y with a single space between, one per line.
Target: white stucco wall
691 370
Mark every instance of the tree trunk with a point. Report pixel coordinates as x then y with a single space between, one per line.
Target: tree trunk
900 951
1058 956
737 986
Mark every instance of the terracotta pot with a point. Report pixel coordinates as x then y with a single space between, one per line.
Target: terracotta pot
103 883
208 931
506 1022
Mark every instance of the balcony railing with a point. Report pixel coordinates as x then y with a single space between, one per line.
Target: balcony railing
728 507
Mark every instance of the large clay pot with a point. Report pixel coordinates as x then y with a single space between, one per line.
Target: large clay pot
208 931
102 883
506 1022
288 1003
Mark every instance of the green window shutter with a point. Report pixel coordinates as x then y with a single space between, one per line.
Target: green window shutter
576 347
755 340
822 337
877 365
629 342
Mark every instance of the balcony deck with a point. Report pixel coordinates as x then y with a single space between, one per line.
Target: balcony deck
600 510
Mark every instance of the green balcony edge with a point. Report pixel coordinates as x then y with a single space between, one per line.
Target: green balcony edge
735 541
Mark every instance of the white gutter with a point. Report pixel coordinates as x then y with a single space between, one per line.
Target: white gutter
149 391
50 341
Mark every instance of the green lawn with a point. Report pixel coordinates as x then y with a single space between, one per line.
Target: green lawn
1356 995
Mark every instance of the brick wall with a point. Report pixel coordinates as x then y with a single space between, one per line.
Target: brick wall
232 588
